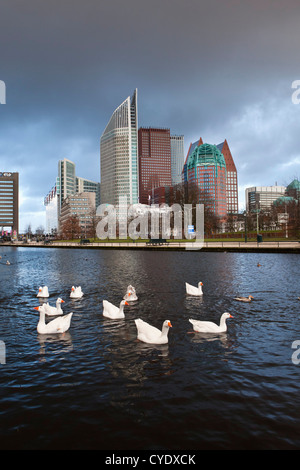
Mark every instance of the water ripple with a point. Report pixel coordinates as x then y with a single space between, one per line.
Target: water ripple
234 390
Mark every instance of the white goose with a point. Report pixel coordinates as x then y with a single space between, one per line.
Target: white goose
130 295
43 292
210 327
113 312
49 310
150 334
76 292
191 290
58 325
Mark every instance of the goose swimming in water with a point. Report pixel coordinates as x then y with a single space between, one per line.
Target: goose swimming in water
191 290
113 312
76 292
49 310
150 334
244 299
43 292
210 327
58 325
130 295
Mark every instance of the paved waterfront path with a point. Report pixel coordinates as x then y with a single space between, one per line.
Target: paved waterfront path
270 246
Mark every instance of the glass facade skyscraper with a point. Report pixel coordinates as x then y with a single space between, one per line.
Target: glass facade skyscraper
51 204
66 180
86 186
118 154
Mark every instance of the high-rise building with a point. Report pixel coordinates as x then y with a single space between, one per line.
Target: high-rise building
231 179
206 169
177 158
67 184
66 180
9 201
118 154
51 205
154 160
86 186
232 204
190 151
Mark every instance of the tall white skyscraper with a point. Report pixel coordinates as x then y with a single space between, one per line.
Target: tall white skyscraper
118 154
66 181
177 158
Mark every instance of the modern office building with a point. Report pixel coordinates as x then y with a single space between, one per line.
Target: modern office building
205 168
86 186
154 149
66 181
118 154
177 158
262 197
190 151
231 179
51 205
83 206
232 203
67 184
9 202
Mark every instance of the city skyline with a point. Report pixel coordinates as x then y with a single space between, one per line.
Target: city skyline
66 70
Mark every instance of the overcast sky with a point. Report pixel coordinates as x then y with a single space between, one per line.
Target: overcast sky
203 68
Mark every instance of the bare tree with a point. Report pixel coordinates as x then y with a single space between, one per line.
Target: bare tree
71 228
40 230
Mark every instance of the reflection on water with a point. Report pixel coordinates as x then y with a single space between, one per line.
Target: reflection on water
51 344
234 390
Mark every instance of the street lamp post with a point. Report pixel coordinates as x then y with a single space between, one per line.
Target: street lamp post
245 215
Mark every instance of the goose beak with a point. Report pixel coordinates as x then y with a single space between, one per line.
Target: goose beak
230 316
169 324
36 308
126 303
62 300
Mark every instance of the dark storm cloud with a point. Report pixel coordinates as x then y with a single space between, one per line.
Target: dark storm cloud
215 69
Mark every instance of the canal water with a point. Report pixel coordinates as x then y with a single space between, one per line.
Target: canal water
97 387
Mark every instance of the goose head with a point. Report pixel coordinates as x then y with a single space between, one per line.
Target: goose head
226 315
39 308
